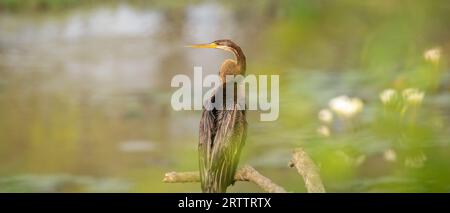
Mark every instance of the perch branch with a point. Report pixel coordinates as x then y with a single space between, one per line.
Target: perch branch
246 173
308 170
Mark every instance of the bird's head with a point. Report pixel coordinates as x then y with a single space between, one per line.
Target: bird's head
227 45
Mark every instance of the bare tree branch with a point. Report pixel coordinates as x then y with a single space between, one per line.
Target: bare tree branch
181 177
246 173
300 160
308 170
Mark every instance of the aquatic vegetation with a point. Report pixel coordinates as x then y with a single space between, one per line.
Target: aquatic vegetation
390 155
324 131
345 106
433 55
326 116
388 95
413 96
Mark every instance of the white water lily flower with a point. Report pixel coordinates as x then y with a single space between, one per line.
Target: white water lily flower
413 95
390 155
345 106
326 116
324 131
433 55
387 95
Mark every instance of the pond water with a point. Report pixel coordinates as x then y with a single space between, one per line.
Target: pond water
86 94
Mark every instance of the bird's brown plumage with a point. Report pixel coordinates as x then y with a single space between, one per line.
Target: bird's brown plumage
222 131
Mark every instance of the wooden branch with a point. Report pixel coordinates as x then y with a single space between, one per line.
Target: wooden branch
181 177
300 160
308 170
246 173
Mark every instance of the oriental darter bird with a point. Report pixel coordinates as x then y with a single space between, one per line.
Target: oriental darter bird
222 131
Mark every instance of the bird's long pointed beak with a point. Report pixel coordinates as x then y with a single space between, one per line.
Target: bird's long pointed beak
210 45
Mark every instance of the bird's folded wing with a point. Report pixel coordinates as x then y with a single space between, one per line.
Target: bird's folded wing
227 146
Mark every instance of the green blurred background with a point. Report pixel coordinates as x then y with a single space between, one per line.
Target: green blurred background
85 92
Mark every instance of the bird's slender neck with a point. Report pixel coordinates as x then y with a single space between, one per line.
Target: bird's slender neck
240 58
